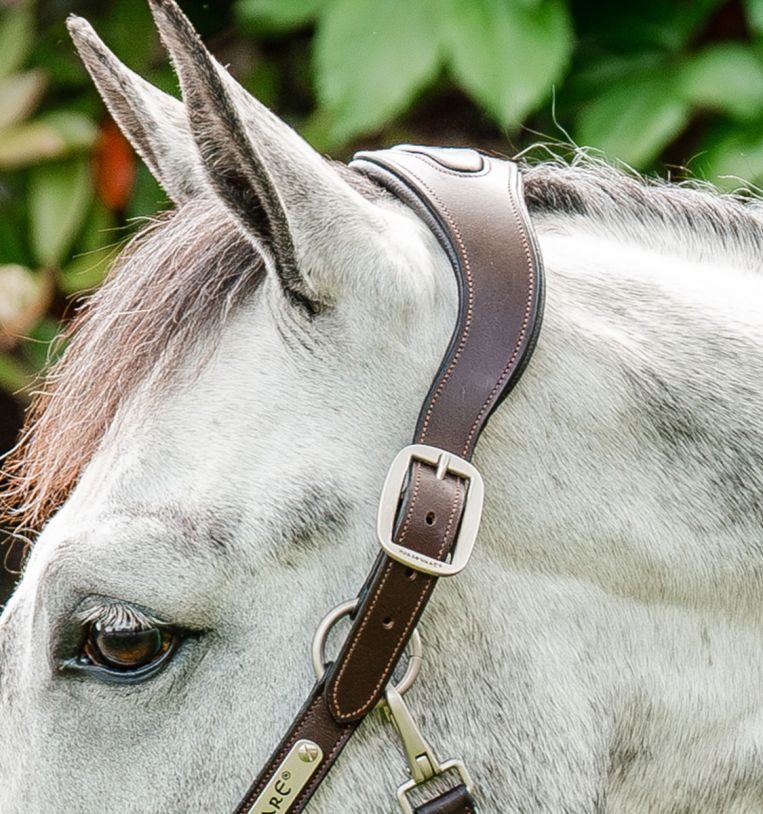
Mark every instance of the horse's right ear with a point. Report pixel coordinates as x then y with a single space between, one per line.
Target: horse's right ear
154 122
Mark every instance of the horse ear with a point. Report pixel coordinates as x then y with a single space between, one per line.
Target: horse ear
298 210
154 122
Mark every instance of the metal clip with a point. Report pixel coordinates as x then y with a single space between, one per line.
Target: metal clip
422 762
421 759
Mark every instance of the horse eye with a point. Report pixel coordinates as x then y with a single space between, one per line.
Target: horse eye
126 651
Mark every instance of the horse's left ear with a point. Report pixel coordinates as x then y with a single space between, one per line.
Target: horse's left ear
290 201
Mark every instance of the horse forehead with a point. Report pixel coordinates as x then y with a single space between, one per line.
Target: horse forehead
180 468
247 431
147 520
114 538
165 560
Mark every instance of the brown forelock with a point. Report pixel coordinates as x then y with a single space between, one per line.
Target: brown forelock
175 282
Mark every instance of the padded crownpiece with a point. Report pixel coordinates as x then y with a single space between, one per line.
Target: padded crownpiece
460 159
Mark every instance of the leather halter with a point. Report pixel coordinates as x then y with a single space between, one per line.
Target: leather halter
431 503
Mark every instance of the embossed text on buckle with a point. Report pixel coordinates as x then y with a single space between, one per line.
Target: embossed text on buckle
445 463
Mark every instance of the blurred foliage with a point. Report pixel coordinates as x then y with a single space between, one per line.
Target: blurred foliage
649 83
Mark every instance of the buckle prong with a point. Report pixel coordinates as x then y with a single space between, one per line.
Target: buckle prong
442 465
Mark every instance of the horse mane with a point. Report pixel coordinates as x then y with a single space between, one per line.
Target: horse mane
691 218
184 273
176 281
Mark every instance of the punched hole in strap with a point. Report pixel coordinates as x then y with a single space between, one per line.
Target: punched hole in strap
318 649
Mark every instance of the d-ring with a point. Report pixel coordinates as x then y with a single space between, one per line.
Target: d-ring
318 650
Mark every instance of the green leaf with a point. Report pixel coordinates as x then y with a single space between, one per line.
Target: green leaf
100 229
276 15
726 77
51 53
16 36
628 27
129 29
13 229
371 60
633 121
163 77
264 83
19 96
316 131
59 197
39 349
29 143
87 271
79 132
590 78
14 376
754 9
98 244
506 55
147 196
53 136
735 159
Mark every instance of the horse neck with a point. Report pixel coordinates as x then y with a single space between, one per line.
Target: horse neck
629 454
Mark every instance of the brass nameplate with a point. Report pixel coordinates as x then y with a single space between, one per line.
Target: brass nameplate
302 762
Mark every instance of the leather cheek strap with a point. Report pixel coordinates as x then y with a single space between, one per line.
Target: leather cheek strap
455 801
481 222
315 722
392 603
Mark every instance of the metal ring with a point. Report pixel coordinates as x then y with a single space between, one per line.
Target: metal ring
318 650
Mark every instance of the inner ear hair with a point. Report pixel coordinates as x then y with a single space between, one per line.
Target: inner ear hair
233 164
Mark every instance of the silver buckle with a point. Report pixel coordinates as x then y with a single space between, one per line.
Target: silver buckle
445 463
423 765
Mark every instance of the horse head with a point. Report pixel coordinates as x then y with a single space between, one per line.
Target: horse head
206 458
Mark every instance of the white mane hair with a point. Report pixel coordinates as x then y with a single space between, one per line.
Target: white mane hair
207 456
692 218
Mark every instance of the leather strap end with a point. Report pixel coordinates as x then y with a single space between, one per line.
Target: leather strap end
455 801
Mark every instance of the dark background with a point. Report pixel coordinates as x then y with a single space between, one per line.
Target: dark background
666 87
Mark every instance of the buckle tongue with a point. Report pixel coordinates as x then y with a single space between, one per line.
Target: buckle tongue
445 463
